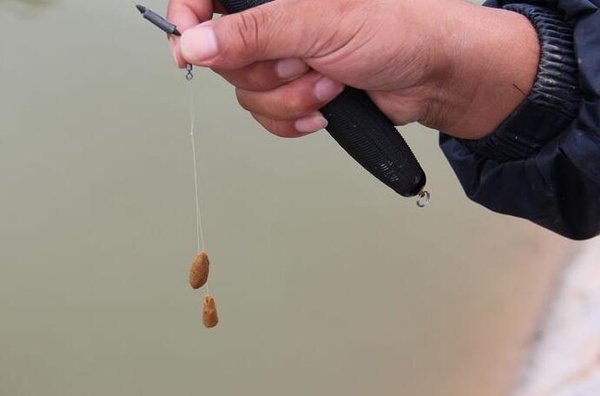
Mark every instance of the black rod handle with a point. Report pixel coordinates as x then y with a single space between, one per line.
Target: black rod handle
364 132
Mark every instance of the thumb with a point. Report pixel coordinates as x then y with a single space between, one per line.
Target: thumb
279 29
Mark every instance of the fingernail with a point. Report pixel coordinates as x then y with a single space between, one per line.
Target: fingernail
291 67
311 123
199 44
327 89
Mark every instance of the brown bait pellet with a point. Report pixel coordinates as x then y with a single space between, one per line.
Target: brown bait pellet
210 318
199 270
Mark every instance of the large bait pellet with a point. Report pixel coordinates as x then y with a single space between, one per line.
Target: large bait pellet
199 270
210 318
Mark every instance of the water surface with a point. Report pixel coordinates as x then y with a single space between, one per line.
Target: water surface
327 282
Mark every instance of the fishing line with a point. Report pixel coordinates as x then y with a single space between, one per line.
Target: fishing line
199 269
171 29
199 226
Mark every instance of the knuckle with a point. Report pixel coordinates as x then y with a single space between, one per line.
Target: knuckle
277 128
249 29
295 104
286 107
281 130
241 98
292 104
280 106
256 79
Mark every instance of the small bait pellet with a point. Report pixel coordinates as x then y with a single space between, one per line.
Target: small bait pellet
199 270
210 318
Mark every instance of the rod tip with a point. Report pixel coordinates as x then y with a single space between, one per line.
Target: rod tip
141 8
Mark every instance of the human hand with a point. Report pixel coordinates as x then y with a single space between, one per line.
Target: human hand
447 64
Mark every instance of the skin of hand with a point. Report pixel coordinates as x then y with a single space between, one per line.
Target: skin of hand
447 64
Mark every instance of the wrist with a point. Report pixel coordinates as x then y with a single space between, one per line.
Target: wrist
488 65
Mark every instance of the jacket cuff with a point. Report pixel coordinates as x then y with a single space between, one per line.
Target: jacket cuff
554 100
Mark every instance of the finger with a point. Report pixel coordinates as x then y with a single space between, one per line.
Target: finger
186 14
175 53
297 99
267 75
237 40
293 129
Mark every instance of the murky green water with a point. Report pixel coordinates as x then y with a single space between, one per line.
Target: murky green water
327 283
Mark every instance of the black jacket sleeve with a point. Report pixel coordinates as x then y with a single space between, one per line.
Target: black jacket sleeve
543 161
